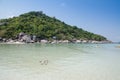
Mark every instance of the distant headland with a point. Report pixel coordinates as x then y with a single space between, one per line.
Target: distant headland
35 26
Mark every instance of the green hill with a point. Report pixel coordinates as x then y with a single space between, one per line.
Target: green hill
44 27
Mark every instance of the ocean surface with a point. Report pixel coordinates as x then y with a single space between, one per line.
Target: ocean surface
59 62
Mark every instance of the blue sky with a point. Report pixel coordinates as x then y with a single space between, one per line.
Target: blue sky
97 16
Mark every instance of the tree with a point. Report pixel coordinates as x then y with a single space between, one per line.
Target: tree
44 27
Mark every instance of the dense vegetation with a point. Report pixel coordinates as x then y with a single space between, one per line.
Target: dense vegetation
44 27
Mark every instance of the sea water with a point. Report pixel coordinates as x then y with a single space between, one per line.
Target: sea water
59 62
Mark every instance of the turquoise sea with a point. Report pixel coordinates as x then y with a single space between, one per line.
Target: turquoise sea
59 62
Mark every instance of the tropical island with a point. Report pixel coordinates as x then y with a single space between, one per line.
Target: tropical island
35 26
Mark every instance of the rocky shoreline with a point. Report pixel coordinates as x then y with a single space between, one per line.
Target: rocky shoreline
23 38
10 41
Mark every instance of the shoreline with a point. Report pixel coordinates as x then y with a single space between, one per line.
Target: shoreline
55 42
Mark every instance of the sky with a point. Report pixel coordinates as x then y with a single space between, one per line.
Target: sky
97 16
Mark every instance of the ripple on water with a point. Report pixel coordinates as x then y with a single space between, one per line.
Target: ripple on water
65 62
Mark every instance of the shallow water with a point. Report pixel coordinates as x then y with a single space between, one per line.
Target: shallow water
59 62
